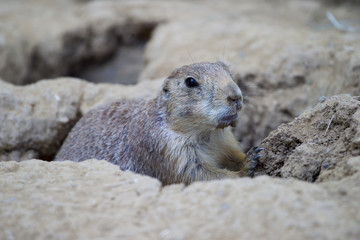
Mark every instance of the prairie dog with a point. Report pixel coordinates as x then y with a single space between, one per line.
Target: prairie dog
180 136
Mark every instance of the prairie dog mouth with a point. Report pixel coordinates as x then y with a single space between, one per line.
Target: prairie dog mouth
228 120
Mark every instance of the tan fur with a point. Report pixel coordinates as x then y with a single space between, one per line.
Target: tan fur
180 136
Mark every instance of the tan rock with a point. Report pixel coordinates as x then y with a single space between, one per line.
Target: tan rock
94 199
98 94
36 118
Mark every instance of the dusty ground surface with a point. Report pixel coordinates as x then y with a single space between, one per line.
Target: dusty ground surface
292 63
94 199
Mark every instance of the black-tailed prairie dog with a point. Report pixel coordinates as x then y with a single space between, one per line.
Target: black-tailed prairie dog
180 136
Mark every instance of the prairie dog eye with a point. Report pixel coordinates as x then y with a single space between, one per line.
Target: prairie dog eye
191 82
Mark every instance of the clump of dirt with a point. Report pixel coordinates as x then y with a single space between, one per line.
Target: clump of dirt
315 146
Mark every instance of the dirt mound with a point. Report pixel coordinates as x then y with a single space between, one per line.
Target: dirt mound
317 145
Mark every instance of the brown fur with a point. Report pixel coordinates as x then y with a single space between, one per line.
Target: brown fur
180 136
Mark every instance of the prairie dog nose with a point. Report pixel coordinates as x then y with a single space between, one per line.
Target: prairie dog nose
235 94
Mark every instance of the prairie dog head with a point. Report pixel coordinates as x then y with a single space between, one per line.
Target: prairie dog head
201 97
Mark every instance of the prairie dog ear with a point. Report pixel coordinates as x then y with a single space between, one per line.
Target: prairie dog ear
165 92
224 65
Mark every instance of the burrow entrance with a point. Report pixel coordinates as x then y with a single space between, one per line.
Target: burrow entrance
112 55
123 67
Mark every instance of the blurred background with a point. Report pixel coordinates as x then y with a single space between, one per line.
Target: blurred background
284 54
